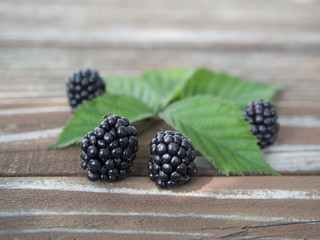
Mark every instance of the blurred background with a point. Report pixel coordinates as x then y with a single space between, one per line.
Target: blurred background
263 40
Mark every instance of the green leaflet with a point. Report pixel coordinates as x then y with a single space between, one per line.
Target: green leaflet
89 115
156 88
216 128
203 105
224 86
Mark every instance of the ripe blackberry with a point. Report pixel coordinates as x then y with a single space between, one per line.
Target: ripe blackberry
109 150
263 117
172 159
84 85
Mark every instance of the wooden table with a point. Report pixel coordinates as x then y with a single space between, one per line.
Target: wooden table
44 194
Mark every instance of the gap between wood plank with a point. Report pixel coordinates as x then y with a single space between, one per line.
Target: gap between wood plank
23 111
56 184
160 35
39 212
126 232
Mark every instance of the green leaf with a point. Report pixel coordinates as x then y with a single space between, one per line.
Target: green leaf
89 115
233 89
218 130
156 88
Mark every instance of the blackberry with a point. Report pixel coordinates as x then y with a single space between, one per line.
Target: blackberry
263 117
172 159
109 150
84 85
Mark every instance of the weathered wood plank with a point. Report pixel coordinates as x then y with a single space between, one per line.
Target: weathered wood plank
251 187
302 13
57 116
33 120
236 207
297 151
163 226
298 91
33 103
285 110
299 21
298 135
220 190
68 233
137 235
67 162
55 64
39 118
177 38
18 106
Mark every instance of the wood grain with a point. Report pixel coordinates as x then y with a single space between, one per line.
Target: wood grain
44 194
33 157
59 205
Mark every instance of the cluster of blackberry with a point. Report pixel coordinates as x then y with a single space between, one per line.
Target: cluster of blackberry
108 151
263 117
172 159
84 85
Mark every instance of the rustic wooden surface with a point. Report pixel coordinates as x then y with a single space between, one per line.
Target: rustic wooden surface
44 194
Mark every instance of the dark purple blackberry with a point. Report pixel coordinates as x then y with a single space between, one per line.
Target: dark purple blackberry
84 85
172 159
263 117
109 150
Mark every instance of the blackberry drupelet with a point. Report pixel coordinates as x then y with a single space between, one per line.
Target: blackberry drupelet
263 117
172 159
109 150
84 85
